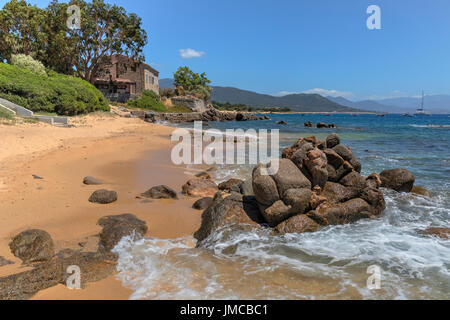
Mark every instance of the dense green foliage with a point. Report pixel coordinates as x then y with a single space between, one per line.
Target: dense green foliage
192 82
104 30
151 101
64 95
27 62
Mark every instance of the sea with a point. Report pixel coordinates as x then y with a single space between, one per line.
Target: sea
337 262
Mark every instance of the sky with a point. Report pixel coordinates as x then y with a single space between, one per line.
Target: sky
292 46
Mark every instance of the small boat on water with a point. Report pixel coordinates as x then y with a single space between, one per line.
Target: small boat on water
381 115
421 111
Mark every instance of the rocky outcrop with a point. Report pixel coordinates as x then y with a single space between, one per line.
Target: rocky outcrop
117 227
211 114
400 180
318 184
320 125
193 103
226 210
197 187
103 196
4 262
443 233
91 181
32 246
160 192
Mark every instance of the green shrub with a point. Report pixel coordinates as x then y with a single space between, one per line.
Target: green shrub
27 62
55 93
149 100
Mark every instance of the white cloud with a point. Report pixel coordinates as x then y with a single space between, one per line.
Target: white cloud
285 93
191 53
332 93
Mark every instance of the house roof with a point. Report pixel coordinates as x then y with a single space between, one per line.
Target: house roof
153 70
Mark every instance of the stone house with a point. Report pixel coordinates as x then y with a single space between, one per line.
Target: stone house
124 79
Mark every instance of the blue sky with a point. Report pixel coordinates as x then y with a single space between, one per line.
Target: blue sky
302 45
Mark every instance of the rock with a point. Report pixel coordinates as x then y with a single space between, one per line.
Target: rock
37 177
117 227
316 163
333 158
103 196
309 124
422 191
247 188
4 262
233 210
400 180
32 246
338 174
297 199
376 200
344 152
282 122
333 140
344 213
301 155
356 164
337 193
321 125
297 224
204 175
193 103
92 181
374 181
160 192
354 181
276 213
21 286
231 185
202 203
264 187
443 233
200 188
289 176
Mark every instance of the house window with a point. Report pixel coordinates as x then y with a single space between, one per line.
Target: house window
153 80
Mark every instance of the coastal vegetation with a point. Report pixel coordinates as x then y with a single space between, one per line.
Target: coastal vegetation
187 81
245 108
53 92
85 52
151 101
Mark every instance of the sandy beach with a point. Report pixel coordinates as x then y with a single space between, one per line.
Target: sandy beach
129 155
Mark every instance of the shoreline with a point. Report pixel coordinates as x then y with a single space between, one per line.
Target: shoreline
129 155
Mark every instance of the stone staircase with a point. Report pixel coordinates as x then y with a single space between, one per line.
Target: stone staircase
25 113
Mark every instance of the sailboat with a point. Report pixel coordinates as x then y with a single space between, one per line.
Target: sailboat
421 111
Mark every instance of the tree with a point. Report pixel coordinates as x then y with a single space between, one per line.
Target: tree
20 30
106 30
192 82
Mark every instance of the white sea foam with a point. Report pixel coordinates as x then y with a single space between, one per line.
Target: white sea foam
331 263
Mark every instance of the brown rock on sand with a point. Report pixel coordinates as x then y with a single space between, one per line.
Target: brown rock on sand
32 246
103 196
160 192
200 188
297 224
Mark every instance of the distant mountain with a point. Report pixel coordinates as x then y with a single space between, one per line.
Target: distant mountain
367 105
296 102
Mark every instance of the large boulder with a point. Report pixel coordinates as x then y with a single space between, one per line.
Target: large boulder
117 227
203 203
160 192
289 176
264 187
343 151
400 180
200 188
316 163
235 210
247 188
332 140
297 224
32 246
103 196
337 193
443 233
344 213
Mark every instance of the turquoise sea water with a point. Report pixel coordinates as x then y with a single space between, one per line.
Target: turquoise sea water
331 263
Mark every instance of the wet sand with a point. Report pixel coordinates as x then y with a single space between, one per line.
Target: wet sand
129 155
